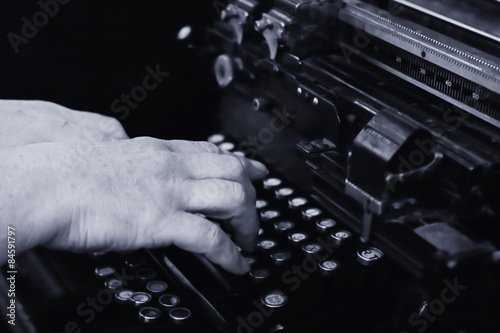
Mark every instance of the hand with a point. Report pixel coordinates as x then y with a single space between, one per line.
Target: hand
28 122
128 194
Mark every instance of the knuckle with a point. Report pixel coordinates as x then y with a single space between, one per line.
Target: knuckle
148 142
208 146
233 164
212 235
237 193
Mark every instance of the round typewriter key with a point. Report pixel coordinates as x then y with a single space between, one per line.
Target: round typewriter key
327 267
297 237
239 153
325 225
274 299
310 213
98 255
135 262
145 274
259 275
123 296
267 244
156 287
216 138
104 272
311 249
227 146
251 260
269 215
169 300
369 256
271 183
149 314
283 192
340 237
283 226
179 315
280 257
260 203
261 232
297 203
114 285
140 298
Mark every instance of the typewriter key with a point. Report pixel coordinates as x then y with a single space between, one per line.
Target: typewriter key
149 314
340 237
269 215
239 153
261 232
310 213
311 249
135 262
327 267
325 225
283 226
169 300
260 203
156 287
98 255
297 203
267 244
251 260
216 138
369 256
280 257
179 315
274 299
259 275
297 237
114 285
145 274
123 296
271 183
140 298
104 272
283 192
227 146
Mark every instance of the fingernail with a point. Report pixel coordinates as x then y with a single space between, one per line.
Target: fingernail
259 166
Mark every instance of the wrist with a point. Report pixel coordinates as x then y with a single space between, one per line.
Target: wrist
29 199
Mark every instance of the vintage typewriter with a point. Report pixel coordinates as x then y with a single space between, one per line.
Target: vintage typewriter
380 124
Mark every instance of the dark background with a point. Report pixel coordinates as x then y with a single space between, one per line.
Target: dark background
92 51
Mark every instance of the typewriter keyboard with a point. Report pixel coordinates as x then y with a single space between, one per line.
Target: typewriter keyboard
309 274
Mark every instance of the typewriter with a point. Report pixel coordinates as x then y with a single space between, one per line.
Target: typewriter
379 121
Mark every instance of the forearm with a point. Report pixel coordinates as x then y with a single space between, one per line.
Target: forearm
28 199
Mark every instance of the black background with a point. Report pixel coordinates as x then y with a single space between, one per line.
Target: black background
91 52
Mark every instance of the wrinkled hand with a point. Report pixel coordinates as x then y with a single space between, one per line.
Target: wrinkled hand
27 122
144 192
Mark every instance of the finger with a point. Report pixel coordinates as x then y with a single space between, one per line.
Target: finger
227 167
199 235
254 169
225 200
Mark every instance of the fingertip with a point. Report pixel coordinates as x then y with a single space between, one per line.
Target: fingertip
259 167
242 265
